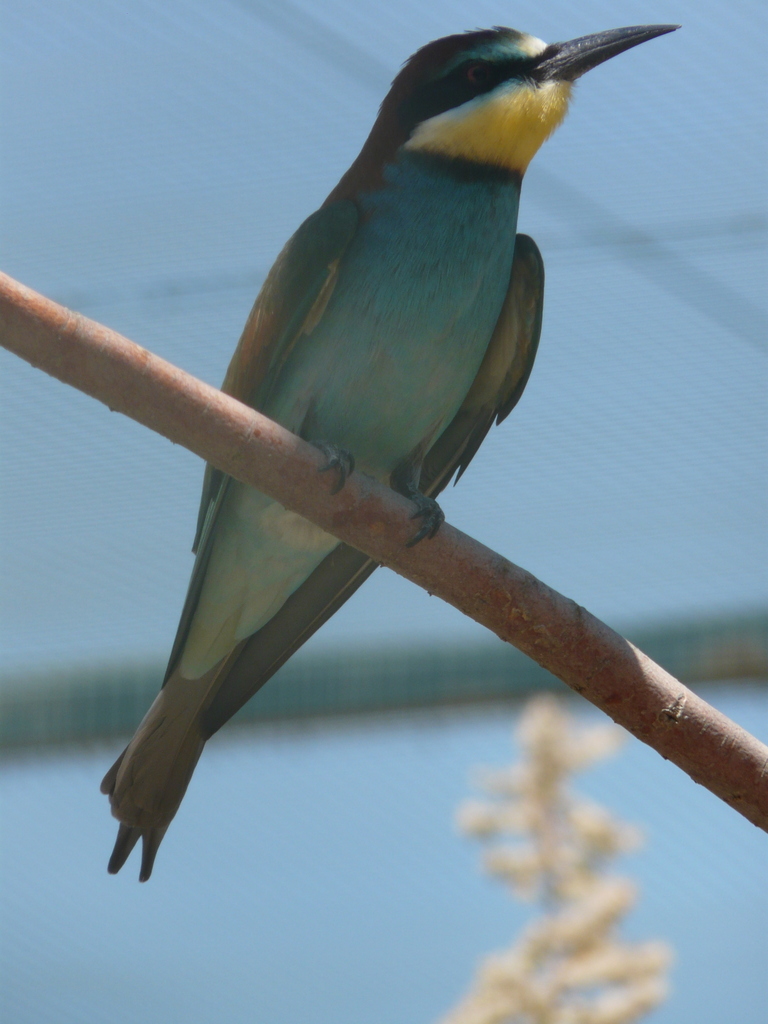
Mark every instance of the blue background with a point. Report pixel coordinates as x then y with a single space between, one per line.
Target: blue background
155 158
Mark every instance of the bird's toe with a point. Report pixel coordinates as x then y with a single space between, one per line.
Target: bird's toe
433 516
339 459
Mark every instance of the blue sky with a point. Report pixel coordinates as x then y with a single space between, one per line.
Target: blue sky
315 876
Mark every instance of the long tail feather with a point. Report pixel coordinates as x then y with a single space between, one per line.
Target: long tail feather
151 839
127 837
147 782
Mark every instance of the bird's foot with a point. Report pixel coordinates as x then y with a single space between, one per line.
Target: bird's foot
405 480
339 459
428 510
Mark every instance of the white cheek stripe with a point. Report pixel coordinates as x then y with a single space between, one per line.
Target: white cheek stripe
531 46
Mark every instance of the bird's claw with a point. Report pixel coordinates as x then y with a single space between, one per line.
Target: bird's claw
339 459
433 516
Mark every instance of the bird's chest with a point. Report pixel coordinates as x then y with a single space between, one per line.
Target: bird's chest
418 296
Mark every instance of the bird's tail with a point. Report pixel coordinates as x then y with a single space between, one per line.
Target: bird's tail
147 782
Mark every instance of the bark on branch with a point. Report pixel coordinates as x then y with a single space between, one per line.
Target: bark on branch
553 630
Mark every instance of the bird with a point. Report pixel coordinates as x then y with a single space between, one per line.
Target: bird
398 323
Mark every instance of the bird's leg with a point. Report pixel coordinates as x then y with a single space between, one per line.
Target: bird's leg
339 459
404 480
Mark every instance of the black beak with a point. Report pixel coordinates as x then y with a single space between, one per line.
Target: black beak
565 62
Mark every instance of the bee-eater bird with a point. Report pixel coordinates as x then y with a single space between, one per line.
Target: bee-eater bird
399 321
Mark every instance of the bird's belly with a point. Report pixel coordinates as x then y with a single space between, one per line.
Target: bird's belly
261 553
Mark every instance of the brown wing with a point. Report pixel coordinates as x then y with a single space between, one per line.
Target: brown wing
502 376
289 305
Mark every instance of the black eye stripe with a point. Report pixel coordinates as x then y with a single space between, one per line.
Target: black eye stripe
461 84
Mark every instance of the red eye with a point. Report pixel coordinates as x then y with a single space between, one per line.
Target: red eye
478 74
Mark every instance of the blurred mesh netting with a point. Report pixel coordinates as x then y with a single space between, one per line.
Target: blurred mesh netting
155 157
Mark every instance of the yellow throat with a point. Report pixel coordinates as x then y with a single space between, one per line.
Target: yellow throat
505 127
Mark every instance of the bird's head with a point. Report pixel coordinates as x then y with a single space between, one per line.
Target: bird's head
494 97
491 97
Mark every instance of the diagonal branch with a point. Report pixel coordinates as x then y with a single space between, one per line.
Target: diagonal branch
557 633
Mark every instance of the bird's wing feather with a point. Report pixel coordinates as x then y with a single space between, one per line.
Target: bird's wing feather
289 305
495 391
503 373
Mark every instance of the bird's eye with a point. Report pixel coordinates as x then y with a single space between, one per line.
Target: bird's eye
478 74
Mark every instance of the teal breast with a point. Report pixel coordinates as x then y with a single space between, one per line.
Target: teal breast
418 295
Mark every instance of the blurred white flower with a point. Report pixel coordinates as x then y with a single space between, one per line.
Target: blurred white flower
569 966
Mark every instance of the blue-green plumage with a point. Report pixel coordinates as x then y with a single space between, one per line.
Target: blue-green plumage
382 373
399 322
418 294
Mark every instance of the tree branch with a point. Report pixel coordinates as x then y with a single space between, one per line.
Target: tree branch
557 633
